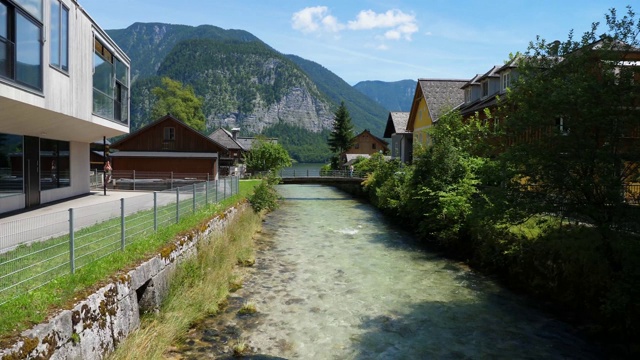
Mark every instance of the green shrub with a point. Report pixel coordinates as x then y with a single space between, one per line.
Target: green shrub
265 196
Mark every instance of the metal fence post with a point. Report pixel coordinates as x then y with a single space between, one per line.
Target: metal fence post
155 211
206 192
122 229
216 183
72 252
177 205
194 198
171 180
224 189
134 179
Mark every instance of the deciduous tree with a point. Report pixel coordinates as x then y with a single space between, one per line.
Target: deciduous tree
266 155
181 102
570 120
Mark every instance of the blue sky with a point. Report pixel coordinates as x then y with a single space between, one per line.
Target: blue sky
385 40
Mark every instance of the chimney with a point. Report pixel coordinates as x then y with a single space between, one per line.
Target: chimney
234 133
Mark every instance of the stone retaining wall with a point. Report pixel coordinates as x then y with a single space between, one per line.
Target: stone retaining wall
94 326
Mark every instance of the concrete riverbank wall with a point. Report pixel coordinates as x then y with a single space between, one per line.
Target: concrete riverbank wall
95 325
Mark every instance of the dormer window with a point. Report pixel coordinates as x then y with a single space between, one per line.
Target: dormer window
485 88
467 94
506 80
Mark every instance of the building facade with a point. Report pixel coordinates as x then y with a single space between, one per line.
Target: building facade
63 85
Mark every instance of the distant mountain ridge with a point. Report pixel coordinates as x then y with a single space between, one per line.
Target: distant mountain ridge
393 96
244 82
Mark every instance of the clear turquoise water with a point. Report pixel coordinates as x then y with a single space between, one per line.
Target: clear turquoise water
334 281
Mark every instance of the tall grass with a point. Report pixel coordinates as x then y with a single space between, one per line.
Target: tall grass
200 284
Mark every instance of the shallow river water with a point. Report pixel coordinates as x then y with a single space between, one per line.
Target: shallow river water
333 280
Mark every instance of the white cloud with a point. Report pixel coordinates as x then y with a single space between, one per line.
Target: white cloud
314 19
394 24
369 19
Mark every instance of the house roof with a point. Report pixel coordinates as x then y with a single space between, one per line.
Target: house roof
439 95
351 158
492 73
247 142
366 131
396 124
153 123
473 82
223 137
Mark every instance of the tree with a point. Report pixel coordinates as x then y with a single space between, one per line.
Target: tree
445 177
181 102
341 138
568 122
266 155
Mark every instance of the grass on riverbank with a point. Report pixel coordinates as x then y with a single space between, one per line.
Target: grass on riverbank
199 286
32 308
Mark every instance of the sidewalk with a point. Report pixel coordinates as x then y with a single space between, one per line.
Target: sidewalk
92 198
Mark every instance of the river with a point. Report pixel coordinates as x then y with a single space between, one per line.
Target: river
333 280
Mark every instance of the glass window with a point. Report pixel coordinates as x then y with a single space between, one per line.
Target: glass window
169 133
11 179
54 164
33 7
54 39
64 38
59 35
4 20
28 52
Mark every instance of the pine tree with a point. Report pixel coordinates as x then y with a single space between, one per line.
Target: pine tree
341 138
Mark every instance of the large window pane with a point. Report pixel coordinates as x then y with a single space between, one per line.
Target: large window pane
121 72
54 164
11 179
54 39
33 7
102 105
102 75
28 52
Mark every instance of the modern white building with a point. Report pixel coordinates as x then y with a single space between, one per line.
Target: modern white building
63 84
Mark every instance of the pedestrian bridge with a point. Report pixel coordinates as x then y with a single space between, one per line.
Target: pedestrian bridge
317 176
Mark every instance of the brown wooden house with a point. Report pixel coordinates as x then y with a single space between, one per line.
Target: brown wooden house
167 145
364 145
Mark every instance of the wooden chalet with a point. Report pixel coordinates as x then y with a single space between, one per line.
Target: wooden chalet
167 145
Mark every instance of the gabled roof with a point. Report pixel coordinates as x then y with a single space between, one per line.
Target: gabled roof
366 131
439 95
169 118
396 124
223 137
475 81
493 73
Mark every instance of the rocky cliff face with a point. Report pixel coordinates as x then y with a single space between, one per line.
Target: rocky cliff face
297 107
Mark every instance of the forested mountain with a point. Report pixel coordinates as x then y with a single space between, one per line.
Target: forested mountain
147 44
244 82
393 96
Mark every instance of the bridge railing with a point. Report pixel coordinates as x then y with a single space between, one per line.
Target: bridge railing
300 173
304 173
